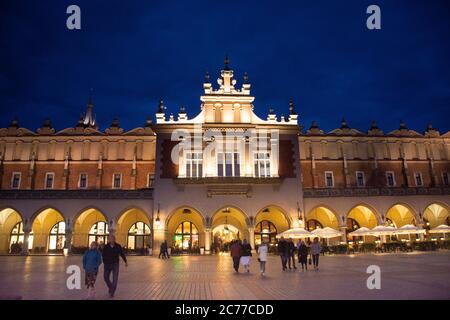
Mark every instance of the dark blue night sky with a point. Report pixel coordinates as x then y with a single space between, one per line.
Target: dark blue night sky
319 52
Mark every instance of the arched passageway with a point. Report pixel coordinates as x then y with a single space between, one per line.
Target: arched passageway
48 232
134 231
90 225
11 231
270 221
435 215
321 217
186 230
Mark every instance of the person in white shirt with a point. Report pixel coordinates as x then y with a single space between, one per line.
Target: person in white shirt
262 257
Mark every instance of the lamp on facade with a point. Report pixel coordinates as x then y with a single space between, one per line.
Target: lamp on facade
225 228
157 220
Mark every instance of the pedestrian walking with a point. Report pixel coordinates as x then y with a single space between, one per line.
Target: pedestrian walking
316 249
263 250
111 253
302 251
246 255
92 259
236 253
162 250
283 251
291 253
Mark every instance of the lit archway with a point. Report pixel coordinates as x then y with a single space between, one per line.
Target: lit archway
436 214
322 217
48 232
90 225
399 215
9 220
231 218
362 216
186 230
133 230
270 221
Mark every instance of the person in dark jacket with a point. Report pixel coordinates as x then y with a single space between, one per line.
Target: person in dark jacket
236 253
246 255
291 253
92 259
111 253
162 250
302 251
283 251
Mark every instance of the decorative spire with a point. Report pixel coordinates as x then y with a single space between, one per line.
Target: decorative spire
291 107
148 122
14 123
115 123
314 125
271 111
373 125
402 125
245 78
226 63
344 124
207 78
430 128
88 117
182 109
47 123
161 106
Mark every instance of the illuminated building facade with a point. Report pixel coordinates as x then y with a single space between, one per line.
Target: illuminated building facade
224 174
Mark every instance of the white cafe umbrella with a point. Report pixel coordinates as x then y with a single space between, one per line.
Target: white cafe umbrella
327 233
441 229
383 231
361 232
296 233
409 229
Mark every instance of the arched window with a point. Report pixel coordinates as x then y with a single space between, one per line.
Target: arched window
265 231
138 236
186 236
98 233
57 237
17 237
313 224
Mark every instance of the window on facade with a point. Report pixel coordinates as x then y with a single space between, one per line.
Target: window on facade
228 164
98 233
117 181
445 178
83 182
186 236
17 238
329 179
418 179
194 164
360 179
390 179
138 236
15 181
57 237
49 180
265 231
150 179
262 164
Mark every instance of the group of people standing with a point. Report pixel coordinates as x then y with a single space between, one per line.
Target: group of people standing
107 254
287 251
241 252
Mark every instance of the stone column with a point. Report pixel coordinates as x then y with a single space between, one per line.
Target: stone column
207 241
68 244
26 236
251 234
344 235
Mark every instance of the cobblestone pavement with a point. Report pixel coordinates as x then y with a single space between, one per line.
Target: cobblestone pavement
403 276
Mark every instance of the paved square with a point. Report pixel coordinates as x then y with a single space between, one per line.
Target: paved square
404 276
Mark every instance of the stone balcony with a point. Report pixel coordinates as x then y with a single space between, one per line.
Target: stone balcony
373 192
